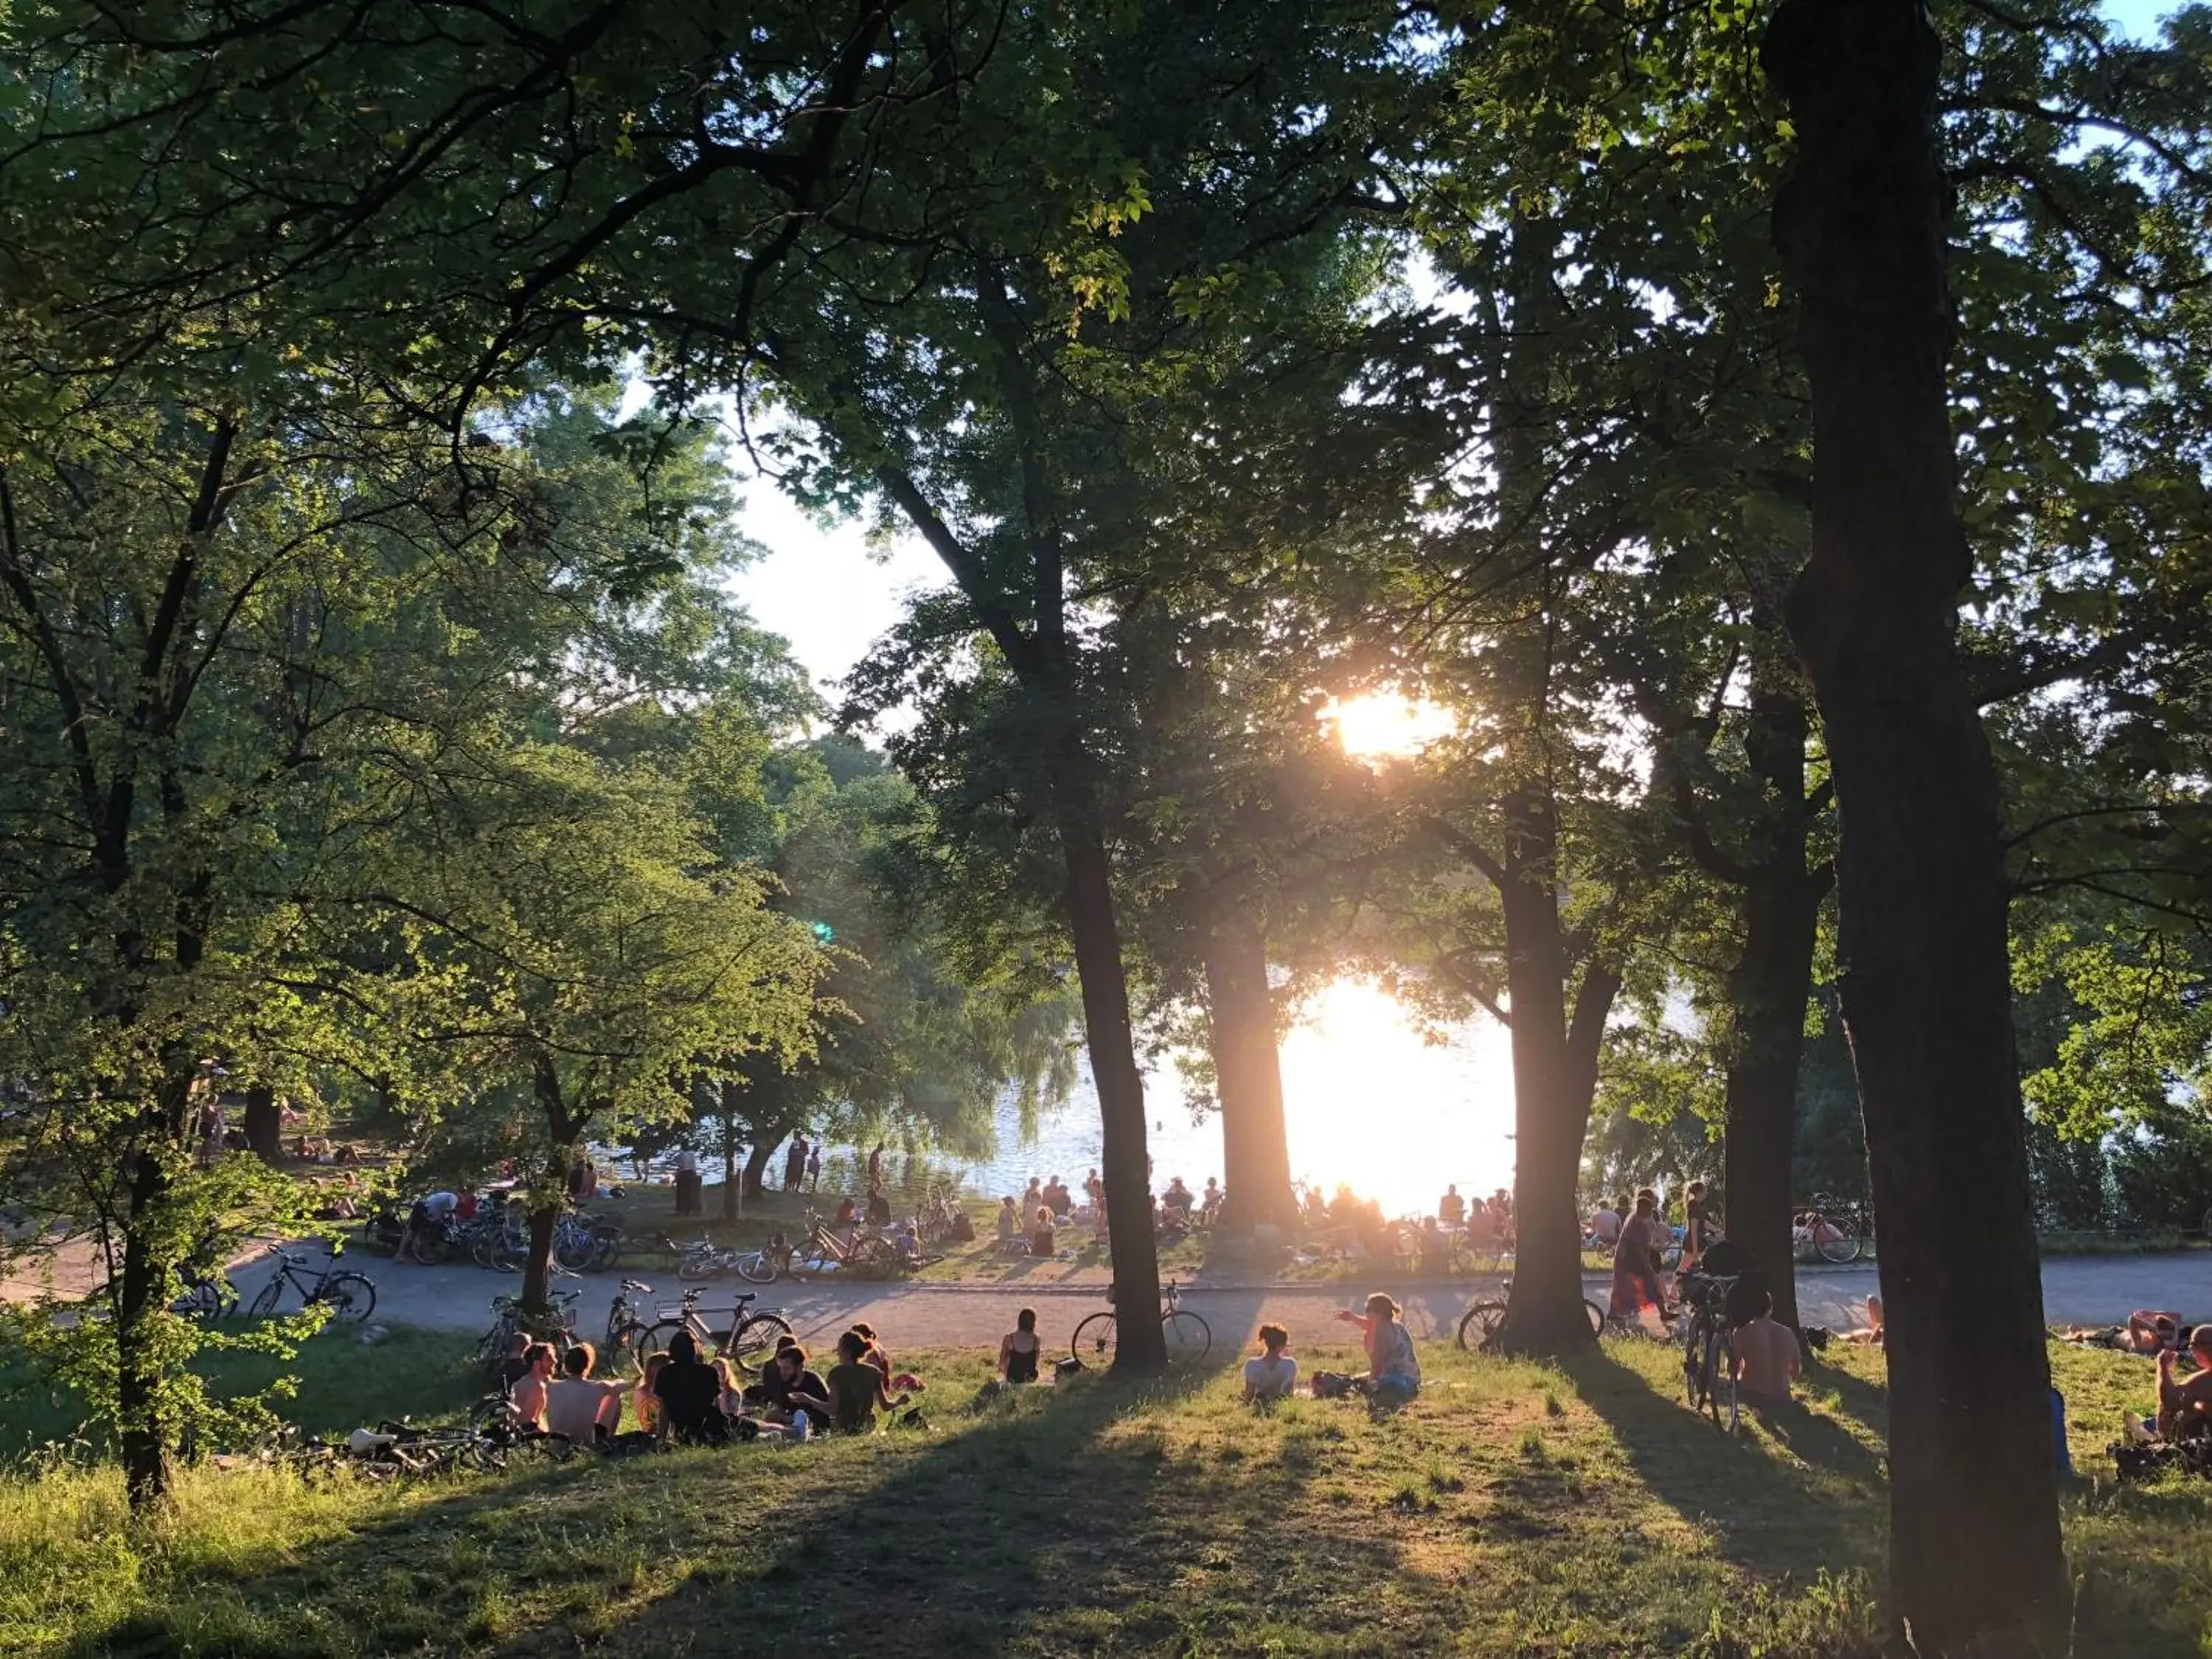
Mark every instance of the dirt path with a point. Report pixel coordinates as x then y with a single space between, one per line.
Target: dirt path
2084 1290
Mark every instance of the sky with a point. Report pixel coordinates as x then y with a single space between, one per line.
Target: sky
832 595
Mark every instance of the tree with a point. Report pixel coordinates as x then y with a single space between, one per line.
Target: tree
1920 873
601 950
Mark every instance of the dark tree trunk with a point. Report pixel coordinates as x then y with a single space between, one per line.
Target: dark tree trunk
264 1125
1975 1554
1554 1076
732 1091
1249 1077
538 1272
755 1177
1770 989
1140 1344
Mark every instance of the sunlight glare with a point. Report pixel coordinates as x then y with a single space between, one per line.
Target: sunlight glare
1378 724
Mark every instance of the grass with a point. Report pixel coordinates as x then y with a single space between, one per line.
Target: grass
1512 1509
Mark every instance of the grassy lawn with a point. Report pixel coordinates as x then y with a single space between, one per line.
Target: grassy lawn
1512 1509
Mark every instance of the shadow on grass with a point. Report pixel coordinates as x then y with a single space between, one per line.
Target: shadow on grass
1765 1513
1864 1402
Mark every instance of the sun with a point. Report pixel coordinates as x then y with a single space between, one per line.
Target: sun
1377 724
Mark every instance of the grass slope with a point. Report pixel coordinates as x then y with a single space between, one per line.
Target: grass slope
1513 1509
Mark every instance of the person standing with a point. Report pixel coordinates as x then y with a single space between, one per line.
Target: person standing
1635 1260
794 1163
876 1167
814 1168
686 1181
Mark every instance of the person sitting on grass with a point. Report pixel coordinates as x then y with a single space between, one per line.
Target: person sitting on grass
579 1405
879 1206
1394 1373
790 1394
2184 1408
856 1389
1019 1348
1767 1358
644 1404
1873 1335
1043 1241
690 1396
529 1394
1010 1221
1451 1208
875 1355
1271 1375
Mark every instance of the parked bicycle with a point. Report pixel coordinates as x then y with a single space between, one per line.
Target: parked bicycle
747 1343
209 1296
350 1296
704 1259
868 1255
1188 1337
1709 1348
1827 1229
1485 1314
627 1319
557 1327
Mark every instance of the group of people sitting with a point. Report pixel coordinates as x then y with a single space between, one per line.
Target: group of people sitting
683 1399
1392 1379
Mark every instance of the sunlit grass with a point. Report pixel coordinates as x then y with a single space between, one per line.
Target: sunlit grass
1513 1509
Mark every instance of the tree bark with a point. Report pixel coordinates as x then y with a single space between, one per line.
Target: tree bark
1554 1076
755 1177
1248 1076
538 1272
1139 1343
264 1125
1976 1562
1770 989
144 1436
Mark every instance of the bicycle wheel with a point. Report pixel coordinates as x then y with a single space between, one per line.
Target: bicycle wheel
265 1303
1596 1316
1479 1323
1721 1400
1836 1243
1718 1363
699 1265
623 1344
431 1248
1693 1365
1093 1339
754 1340
1188 1337
655 1339
758 1267
873 1258
351 1296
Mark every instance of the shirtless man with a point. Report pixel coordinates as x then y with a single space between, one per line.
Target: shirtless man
1766 1359
2188 1403
529 1394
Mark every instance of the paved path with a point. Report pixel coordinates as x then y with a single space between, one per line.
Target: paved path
2077 1289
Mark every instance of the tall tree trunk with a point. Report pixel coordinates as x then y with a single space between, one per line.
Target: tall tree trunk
264 1125
1770 987
1554 1076
1249 1076
1140 1344
731 1093
1975 1554
538 1272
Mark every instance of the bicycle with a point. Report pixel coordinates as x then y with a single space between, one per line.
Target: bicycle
704 1259
869 1255
626 1320
510 1321
351 1295
209 1296
749 1341
1485 1314
1187 1336
1827 1229
1709 1349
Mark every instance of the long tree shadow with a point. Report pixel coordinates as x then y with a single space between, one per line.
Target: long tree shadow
1766 1513
1865 1402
